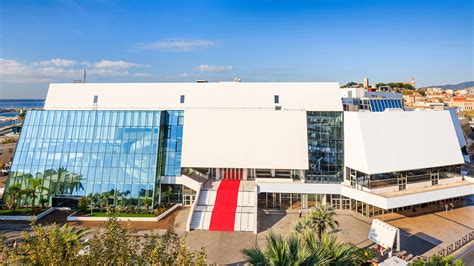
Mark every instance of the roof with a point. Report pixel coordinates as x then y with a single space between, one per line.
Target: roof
245 139
311 96
461 99
381 142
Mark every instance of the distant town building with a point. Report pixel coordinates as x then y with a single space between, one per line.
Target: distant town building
366 83
463 103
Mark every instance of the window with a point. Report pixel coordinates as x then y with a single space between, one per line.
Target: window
181 99
10 150
277 98
96 98
118 151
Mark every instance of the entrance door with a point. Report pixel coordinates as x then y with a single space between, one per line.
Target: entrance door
434 178
402 183
336 203
188 200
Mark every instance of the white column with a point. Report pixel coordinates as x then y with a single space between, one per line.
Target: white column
323 199
218 173
244 174
273 172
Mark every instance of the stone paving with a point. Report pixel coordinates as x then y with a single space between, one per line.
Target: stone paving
439 229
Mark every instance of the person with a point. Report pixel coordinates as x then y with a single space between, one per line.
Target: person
299 212
445 206
15 244
452 206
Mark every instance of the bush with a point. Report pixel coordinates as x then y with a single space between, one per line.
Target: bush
83 204
110 245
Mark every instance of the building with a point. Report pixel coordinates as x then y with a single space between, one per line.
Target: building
366 83
463 103
289 146
355 99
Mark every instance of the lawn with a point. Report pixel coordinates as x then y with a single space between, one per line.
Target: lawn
21 211
105 214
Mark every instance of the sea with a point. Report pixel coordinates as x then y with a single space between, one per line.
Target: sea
21 103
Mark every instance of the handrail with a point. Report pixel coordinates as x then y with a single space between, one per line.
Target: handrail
193 207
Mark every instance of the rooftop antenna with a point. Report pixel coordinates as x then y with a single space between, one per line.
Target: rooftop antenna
84 79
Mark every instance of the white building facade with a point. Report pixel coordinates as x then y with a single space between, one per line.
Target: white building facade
291 145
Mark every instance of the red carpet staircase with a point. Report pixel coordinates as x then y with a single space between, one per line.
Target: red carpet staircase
223 214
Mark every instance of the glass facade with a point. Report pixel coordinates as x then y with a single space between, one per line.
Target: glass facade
325 147
379 105
120 153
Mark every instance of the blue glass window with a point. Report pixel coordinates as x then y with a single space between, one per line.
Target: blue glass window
122 153
325 147
379 105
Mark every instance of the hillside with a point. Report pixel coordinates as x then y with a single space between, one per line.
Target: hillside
459 86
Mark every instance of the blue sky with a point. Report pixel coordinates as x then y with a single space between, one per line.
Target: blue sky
176 41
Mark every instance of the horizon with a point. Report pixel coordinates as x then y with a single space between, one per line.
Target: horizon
182 41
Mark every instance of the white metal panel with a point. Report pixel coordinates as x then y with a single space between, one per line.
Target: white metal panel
295 187
312 96
237 221
381 142
245 139
383 234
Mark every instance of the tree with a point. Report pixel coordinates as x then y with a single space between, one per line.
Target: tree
320 219
83 203
22 115
50 245
147 202
439 261
280 251
305 249
408 86
167 194
13 191
110 245
338 253
34 185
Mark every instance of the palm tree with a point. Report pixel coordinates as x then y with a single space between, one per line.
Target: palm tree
13 193
319 219
104 200
34 184
73 182
62 174
167 194
280 251
338 253
147 202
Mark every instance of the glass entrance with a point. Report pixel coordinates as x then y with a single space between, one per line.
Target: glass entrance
188 200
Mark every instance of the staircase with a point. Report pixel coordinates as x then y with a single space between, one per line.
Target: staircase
226 211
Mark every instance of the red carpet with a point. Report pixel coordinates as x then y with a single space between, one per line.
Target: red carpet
223 214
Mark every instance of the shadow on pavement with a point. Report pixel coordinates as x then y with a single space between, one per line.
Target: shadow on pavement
416 244
267 220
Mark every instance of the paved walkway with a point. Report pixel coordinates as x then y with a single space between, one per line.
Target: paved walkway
436 230
422 235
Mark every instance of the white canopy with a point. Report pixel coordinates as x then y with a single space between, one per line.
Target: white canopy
245 139
381 142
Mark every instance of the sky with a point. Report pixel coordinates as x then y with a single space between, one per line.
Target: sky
51 41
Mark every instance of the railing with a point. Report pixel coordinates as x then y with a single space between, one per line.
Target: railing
453 247
380 183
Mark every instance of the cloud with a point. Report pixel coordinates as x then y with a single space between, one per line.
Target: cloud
208 68
180 45
142 74
57 62
58 69
108 64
